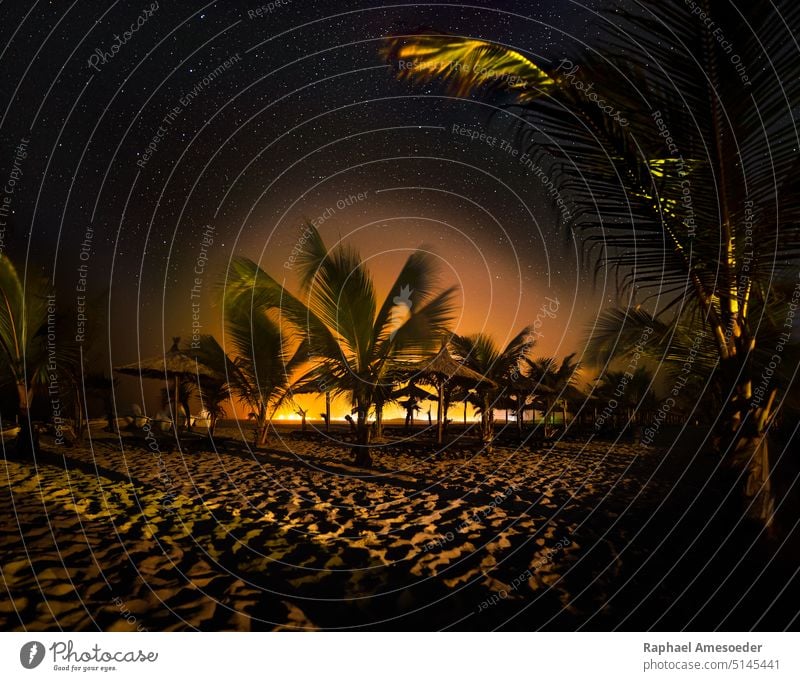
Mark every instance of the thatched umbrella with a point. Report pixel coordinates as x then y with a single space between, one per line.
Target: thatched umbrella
173 364
441 369
414 394
312 388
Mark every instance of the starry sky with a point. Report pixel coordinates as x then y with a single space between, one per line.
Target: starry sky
215 129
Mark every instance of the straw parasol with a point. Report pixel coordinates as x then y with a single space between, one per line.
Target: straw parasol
312 388
525 385
414 395
441 369
413 392
173 364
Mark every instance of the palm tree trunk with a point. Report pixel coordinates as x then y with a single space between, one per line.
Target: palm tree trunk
361 452
27 443
24 395
263 426
439 416
378 420
487 420
743 438
752 454
327 411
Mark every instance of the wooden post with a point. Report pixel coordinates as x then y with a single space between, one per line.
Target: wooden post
327 411
175 408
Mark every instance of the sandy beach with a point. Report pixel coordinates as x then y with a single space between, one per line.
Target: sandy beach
293 537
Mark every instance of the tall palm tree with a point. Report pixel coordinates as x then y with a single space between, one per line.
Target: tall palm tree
354 346
481 353
676 146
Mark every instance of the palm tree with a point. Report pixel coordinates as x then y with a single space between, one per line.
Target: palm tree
688 358
35 350
23 332
258 364
213 396
555 377
355 347
640 396
453 393
481 353
630 391
692 194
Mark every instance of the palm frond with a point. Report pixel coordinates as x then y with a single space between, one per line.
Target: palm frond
466 65
414 285
692 195
24 315
259 345
342 296
422 331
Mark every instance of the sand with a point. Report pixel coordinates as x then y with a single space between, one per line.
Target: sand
114 535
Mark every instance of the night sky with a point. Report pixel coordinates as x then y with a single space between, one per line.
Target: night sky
217 128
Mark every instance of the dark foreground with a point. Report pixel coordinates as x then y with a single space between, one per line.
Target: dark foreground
125 535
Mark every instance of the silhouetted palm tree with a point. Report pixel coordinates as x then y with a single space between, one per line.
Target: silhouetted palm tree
632 394
23 332
481 353
33 353
555 377
255 361
354 346
214 395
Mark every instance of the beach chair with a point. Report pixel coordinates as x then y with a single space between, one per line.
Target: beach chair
203 421
136 418
162 422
